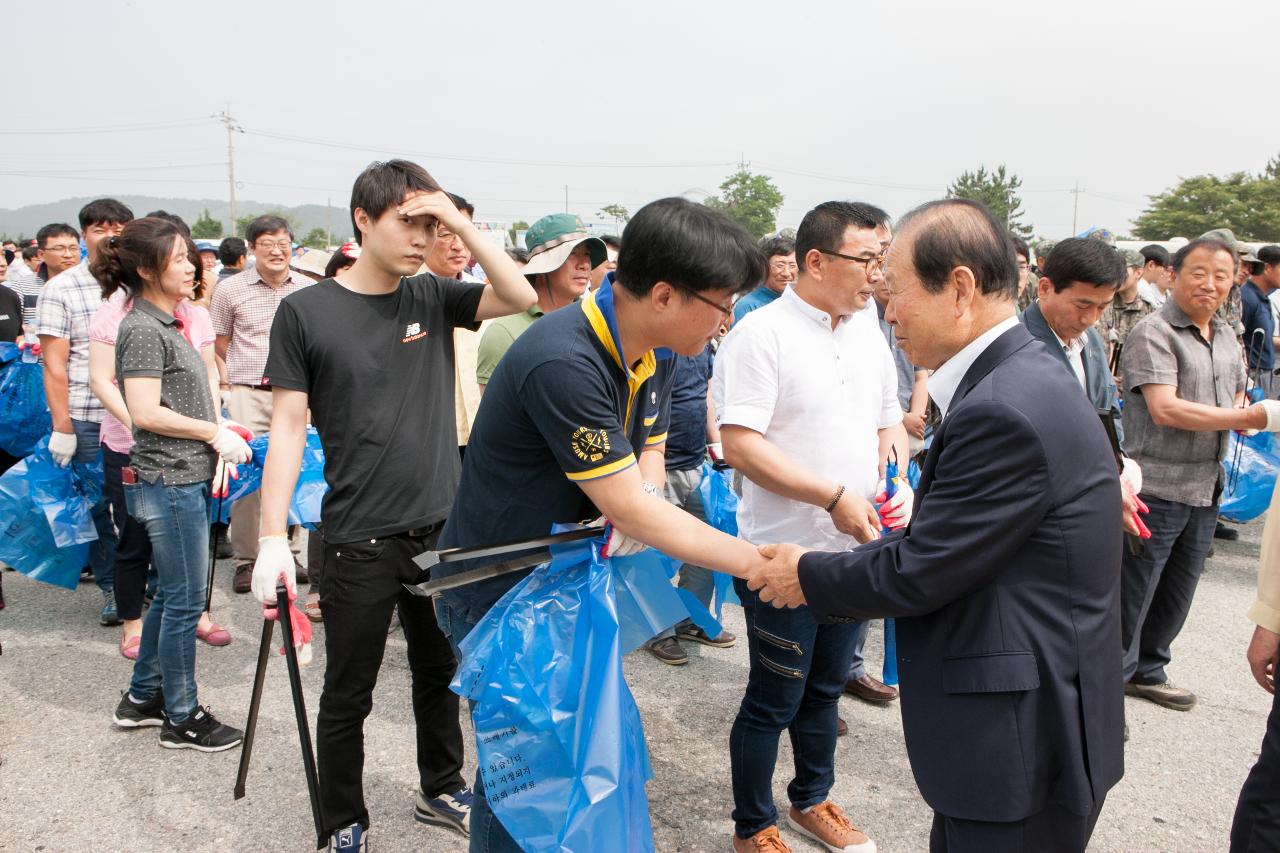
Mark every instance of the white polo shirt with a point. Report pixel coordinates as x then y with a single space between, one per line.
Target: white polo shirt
821 396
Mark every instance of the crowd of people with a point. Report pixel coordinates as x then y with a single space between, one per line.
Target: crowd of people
1037 573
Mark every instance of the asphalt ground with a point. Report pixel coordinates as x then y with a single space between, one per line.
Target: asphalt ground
71 781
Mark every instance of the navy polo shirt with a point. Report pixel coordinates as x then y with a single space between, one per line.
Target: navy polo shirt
1255 313
561 408
687 439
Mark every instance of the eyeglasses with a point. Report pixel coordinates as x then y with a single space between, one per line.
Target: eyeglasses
269 245
784 267
62 250
726 310
869 265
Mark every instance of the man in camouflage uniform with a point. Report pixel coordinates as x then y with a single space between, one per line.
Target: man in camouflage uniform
1127 307
1026 278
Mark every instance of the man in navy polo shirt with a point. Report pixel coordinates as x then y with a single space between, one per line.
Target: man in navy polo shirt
574 420
1255 304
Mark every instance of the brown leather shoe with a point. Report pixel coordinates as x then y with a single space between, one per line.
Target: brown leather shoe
842 728
669 651
766 840
871 690
243 581
826 824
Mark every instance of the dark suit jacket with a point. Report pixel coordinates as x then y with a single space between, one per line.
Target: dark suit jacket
1006 586
1100 385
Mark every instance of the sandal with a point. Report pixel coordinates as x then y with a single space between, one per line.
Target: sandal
129 647
312 608
214 635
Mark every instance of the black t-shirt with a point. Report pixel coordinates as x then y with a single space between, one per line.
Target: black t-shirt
10 315
558 410
379 373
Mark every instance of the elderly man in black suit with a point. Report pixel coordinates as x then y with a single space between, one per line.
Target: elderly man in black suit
1006 584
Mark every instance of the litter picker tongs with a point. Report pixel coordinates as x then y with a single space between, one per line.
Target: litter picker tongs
538 545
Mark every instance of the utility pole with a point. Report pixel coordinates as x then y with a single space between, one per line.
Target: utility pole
566 198
328 223
1075 207
232 129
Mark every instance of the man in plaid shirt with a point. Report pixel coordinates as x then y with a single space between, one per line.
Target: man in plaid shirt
63 313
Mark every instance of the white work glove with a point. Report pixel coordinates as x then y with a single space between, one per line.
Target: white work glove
231 444
716 451
1131 474
62 447
1271 407
622 545
895 512
275 561
222 477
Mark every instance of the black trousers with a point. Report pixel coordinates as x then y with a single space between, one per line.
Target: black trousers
133 546
7 461
1256 827
1054 830
360 587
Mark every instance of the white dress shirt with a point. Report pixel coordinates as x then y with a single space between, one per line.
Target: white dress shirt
821 396
1075 357
946 379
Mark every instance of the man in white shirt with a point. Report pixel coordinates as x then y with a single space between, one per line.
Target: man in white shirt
807 396
1155 283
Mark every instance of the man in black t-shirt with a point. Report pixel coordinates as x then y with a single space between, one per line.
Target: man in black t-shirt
10 314
370 353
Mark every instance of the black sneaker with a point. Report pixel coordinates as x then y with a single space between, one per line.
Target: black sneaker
132 715
199 731
1228 534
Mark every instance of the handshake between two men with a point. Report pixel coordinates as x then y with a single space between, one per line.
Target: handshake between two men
778 581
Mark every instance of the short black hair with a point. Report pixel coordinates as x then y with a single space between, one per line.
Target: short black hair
171 217
56 229
519 255
384 184
687 245
29 252
104 211
777 245
267 223
1269 255
231 250
337 263
957 232
612 241
824 226
462 204
1156 253
1085 260
1180 257
1020 247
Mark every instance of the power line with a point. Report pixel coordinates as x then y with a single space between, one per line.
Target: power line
112 128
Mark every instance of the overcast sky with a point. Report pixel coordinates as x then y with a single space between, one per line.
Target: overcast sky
508 103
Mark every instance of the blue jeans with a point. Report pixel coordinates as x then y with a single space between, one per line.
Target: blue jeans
102 551
1156 588
858 665
177 522
798 671
488 835
682 490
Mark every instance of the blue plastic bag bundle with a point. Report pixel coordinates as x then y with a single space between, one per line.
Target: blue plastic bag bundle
45 522
558 738
720 507
308 495
24 414
1247 491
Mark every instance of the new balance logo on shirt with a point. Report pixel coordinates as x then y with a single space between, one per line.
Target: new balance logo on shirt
413 332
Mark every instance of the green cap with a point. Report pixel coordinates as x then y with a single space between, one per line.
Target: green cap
1132 258
1222 235
553 238
1044 247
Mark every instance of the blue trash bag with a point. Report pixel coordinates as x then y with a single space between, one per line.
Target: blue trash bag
559 741
1247 491
27 533
65 495
308 495
720 507
24 414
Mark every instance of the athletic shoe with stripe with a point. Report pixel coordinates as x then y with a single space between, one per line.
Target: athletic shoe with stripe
448 810
201 731
136 715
